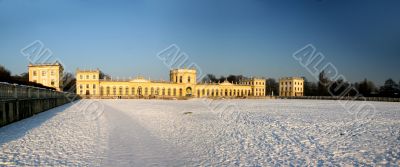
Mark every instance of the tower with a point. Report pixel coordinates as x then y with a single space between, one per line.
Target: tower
183 76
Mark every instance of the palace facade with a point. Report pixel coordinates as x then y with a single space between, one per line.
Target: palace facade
182 83
291 86
47 74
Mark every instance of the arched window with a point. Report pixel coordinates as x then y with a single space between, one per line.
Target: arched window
133 91
188 79
180 79
198 93
126 90
114 90
107 90
120 90
180 91
174 91
139 90
152 91
146 91
157 91
163 91
169 91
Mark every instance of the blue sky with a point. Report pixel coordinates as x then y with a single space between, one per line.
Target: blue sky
251 37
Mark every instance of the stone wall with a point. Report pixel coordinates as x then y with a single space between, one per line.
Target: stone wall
20 101
15 110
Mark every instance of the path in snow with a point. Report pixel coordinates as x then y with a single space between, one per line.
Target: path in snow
203 132
132 145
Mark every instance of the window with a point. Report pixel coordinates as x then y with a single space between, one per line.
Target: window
87 76
94 86
80 86
176 78
94 76
189 79
87 86
180 79
43 73
34 73
52 82
80 76
52 72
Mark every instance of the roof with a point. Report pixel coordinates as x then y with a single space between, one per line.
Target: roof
45 64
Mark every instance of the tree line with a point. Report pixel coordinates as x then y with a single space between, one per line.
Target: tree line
366 88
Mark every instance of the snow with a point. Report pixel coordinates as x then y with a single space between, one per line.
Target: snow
204 132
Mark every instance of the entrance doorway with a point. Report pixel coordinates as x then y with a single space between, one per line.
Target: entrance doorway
188 91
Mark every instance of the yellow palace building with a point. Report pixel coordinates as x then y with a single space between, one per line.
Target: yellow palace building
182 83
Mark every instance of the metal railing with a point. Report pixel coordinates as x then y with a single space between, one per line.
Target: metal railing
15 91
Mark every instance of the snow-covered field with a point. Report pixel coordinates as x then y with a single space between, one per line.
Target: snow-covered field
203 132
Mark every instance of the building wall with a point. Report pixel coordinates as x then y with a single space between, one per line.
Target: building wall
47 74
87 82
291 86
182 83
